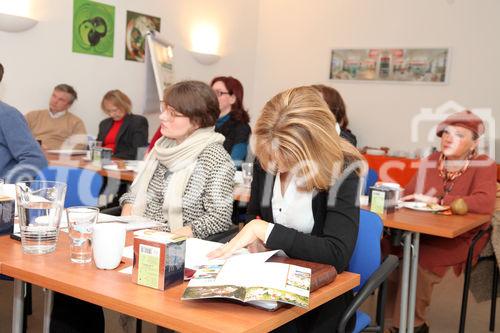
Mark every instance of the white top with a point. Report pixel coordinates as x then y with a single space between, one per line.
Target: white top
57 114
292 209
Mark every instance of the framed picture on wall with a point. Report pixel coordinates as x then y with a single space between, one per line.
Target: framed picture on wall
93 28
400 65
138 25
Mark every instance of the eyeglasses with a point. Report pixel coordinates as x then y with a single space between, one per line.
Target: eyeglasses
171 112
113 111
221 93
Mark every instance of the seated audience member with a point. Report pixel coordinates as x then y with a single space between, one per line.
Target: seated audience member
233 119
456 171
187 182
20 155
304 194
123 131
57 128
337 106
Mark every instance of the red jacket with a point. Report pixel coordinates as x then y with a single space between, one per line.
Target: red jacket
477 186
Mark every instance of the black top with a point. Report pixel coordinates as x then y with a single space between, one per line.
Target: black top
336 221
234 131
332 240
347 134
132 135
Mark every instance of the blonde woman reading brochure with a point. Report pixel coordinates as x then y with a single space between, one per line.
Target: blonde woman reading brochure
304 194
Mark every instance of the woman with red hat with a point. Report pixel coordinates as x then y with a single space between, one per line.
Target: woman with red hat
456 171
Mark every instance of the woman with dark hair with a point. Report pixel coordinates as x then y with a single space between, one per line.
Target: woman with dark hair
336 104
188 176
123 131
186 184
233 119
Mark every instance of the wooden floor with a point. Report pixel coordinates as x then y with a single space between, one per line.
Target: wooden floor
443 316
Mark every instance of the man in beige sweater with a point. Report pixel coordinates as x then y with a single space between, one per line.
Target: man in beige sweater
57 128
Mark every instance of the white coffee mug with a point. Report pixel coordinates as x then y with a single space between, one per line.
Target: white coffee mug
108 241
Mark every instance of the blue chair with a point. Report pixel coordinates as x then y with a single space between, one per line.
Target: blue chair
366 261
83 186
370 180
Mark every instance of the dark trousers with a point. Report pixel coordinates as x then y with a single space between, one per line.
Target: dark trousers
71 315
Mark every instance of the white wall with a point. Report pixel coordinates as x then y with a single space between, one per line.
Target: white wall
38 59
271 45
296 37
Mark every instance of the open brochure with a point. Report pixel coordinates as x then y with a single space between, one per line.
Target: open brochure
249 278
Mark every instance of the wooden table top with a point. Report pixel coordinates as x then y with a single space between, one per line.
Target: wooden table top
449 226
116 291
80 162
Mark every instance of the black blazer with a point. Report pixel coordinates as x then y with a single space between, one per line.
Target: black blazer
332 240
336 221
235 132
132 135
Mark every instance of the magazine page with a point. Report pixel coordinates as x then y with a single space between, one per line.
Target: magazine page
208 282
252 280
204 284
279 282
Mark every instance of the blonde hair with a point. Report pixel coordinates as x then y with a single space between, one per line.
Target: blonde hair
119 99
296 130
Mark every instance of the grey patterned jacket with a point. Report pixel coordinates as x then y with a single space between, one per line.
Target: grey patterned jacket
208 199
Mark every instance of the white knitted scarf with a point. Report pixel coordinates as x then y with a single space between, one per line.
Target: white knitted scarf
180 159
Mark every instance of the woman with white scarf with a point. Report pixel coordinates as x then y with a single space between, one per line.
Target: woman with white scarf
187 181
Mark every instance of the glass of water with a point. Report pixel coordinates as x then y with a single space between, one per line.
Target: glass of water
247 172
81 221
40 205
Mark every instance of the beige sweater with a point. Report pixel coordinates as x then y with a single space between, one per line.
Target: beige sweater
64 132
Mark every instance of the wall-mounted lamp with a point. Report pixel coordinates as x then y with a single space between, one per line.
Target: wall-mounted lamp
205 44
205 58
14 23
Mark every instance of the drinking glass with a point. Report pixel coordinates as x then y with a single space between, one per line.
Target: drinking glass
247 171
81 221
40 204
93 144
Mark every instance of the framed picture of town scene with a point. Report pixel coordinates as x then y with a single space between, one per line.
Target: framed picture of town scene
401 65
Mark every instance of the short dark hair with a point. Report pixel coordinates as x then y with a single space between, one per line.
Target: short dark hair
1 72
67 89
195 100
335 102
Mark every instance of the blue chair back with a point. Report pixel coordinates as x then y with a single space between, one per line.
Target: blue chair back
367 254
370 180
83 186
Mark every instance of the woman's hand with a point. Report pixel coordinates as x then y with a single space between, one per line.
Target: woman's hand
421 197
184 231
253 231
127 209
257 246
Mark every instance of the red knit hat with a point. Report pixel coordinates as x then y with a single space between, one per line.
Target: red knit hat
465 119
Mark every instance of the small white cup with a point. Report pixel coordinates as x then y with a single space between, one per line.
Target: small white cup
108 242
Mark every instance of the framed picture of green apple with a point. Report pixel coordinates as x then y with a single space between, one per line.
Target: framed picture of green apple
138 25
429 65
93 28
